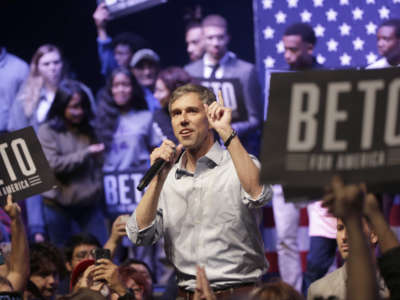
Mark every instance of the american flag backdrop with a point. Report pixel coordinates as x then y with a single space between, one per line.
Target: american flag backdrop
345 29
346 34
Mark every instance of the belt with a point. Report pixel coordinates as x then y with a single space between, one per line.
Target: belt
221 293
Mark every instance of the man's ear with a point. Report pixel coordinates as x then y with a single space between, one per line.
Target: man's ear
68 265
373 238
310 48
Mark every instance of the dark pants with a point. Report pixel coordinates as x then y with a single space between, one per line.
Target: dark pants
319 258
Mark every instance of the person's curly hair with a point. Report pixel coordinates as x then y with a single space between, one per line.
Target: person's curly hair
45 257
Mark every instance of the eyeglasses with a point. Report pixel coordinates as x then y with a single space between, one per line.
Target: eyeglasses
84 254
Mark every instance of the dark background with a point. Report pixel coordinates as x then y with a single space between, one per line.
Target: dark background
27 24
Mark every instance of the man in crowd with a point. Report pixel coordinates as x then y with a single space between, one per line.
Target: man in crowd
207 205
219 63
299 41
388 42
47 267
13 72
194 41
334 284
115 52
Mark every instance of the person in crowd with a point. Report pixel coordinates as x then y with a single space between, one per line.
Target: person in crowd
135 281
34 99
15 268
102 276
115 52
348 203
388 43
77 248
334 284
194 41
46 269
219 63
275 290
144 270
13 72
353 206
69 143
144 66
125 126
82 246
219 226
167 81
299 41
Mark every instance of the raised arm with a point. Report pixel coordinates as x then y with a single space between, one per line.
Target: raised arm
346 202
220 118
19 258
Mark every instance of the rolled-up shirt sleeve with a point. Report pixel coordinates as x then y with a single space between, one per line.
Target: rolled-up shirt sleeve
264 197
146 236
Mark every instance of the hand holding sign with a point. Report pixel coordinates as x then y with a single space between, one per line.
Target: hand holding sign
12 209
345 200
96 148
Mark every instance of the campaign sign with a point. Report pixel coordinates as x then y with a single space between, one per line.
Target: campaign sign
121 8
232 92
122 196
24 170
322 123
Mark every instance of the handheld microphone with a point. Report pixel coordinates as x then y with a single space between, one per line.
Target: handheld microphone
158 165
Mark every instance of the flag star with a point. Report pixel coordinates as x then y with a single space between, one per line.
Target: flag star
319 30
370 1
269 62
318 3
332 45
384 12
292 3
280 48
371 28
280 17
345 59
358 44
331 15
357 13
320 59
344 2
267 4
344 29
396 1
305 16
268 33
371 58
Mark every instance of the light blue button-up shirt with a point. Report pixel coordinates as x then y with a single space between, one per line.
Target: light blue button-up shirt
207 218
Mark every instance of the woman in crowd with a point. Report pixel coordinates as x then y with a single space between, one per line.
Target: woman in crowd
70 146
167 81
47 70
124 125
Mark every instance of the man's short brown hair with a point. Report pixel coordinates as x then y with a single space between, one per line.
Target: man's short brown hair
215 20
205 94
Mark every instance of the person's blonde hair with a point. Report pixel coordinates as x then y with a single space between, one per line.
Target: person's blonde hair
30 91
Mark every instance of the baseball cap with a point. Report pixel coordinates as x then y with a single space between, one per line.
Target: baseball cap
144 54
78 271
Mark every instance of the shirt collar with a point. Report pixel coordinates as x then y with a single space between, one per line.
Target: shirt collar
228 55
212 158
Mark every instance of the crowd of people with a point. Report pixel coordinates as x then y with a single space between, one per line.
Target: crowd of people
196 228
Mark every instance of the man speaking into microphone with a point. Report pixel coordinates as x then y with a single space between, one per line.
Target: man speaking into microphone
207 205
